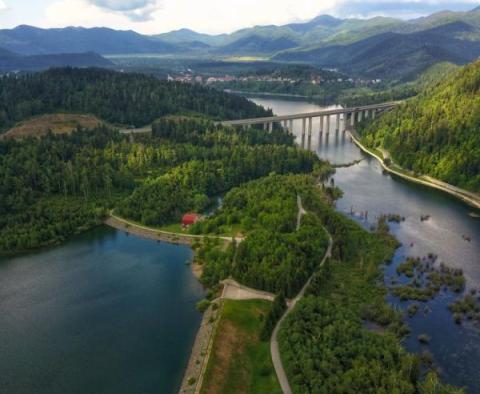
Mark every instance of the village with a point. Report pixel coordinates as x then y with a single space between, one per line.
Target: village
192 77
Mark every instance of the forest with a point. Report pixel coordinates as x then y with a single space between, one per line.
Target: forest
437 132
55 186
274 255
115 97
342 337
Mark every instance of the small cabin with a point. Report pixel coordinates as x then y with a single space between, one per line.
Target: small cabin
189 218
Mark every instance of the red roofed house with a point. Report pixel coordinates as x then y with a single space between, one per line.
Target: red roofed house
189 219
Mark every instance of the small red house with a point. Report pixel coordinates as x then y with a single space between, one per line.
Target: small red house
189 219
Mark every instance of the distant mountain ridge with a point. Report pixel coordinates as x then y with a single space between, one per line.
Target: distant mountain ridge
10 61
377 47
28 40
394 55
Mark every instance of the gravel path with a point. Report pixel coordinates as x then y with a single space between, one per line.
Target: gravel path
274 348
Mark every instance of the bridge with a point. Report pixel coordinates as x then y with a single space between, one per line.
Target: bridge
345 117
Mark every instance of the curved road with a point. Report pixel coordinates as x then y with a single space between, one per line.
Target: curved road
274 348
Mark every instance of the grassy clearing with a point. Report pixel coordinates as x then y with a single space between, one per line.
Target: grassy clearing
240 362
57 123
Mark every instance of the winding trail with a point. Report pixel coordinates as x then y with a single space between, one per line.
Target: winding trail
274 348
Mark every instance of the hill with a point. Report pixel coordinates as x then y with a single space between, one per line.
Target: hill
10 62
130 99
29 40
394 55
436 133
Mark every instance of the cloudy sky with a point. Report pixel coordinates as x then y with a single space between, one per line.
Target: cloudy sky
208 16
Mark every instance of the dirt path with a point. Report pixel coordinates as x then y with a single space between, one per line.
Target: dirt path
274 348
233 290
301 211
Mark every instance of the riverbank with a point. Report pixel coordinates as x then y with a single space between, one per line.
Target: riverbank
272 94
467 197
197 364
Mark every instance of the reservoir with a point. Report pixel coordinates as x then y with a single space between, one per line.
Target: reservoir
456 349
102 313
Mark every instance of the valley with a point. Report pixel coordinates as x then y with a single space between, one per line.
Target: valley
291 206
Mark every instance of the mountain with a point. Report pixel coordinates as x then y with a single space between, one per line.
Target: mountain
394 55
365 46
185 36
255 44
6 54
28 40
11 62
436 133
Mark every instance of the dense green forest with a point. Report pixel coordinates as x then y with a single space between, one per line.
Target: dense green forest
436 133
274 256
120 98
57 185
342 337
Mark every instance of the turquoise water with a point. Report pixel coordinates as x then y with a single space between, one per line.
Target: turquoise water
456 349
103 313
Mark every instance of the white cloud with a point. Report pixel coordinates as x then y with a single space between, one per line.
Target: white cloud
209 16
221 16
3 6
136 10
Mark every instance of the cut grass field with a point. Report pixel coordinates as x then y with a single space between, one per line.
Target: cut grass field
240 362
57 123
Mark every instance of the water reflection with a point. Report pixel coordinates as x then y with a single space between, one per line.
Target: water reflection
96 315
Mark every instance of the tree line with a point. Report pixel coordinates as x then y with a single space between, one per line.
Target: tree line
119 98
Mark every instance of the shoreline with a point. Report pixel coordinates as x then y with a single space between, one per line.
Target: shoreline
463 195
192 379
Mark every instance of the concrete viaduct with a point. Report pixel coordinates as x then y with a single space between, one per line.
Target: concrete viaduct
345 118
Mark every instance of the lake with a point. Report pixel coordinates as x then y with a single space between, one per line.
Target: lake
103 313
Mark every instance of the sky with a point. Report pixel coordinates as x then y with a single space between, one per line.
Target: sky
206 16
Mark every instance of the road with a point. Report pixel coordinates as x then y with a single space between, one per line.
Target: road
274 348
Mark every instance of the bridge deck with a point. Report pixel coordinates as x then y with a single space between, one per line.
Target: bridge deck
281 118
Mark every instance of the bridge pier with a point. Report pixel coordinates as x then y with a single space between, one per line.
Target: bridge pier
304 126
374 112
328 124
309 127
337 128
360 114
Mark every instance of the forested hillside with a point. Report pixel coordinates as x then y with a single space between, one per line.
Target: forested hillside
438 132
58 185
120 98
